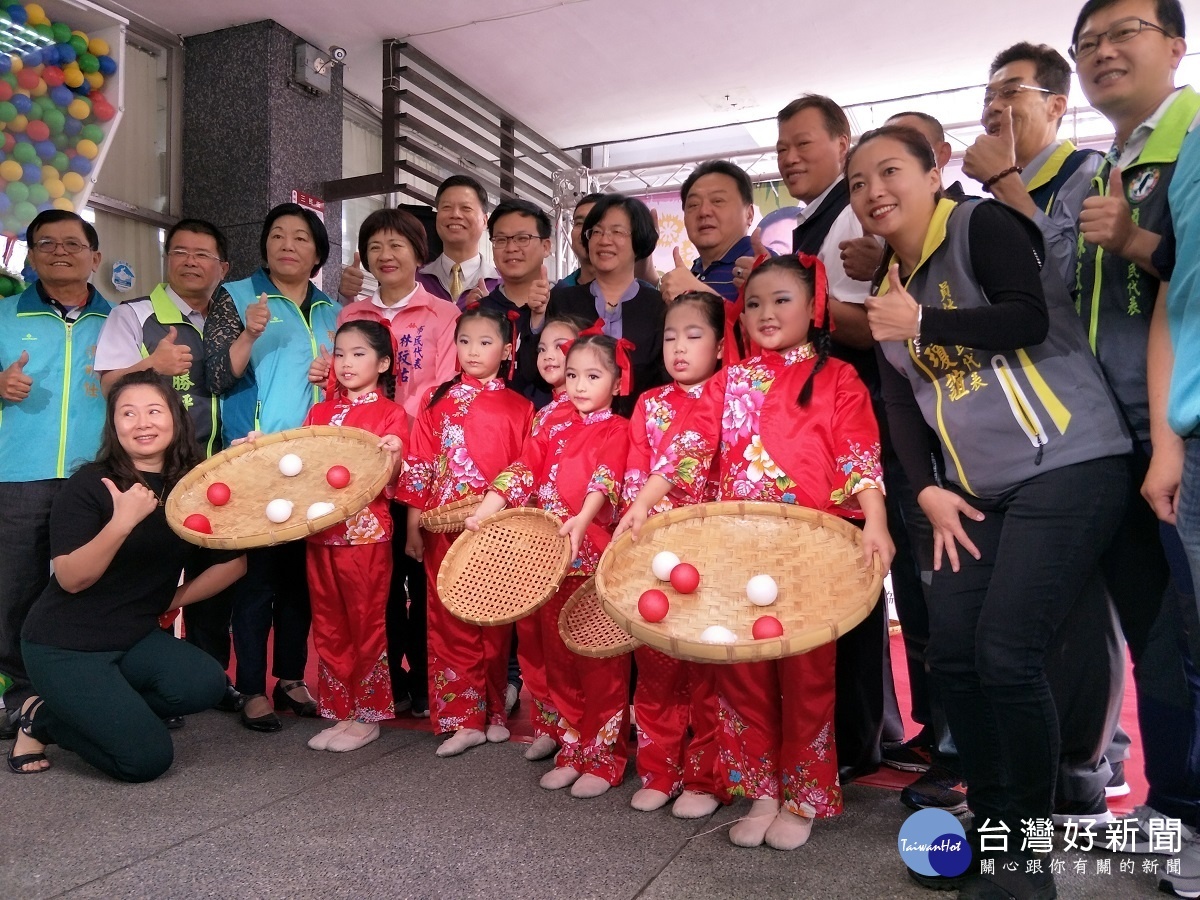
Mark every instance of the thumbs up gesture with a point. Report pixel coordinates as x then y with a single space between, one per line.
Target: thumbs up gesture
680 279
539 293
352 279
258 314
1107 220
741 268
131 506
991 154
894 316
14 383
319 370
477 293
170 358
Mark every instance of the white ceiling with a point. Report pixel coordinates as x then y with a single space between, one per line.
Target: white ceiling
596 71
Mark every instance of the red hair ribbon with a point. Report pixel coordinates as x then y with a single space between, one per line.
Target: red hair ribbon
596 328
365 315
624 348
821 290
514 319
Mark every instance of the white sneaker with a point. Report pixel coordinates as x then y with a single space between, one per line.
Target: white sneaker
1186 883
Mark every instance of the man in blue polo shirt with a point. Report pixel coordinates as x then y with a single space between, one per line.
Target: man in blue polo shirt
718 207
51 414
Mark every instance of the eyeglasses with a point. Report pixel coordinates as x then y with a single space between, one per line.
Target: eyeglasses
617 233
1118 33
517 240
1010 91
49 246
200 256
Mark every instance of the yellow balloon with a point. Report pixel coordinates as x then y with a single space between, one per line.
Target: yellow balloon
72 76
87 149
78 109
17 65
40 89
63 203
49 173
82 34
10 170
98 47
72 181
55 188
95 79
36 14
17 123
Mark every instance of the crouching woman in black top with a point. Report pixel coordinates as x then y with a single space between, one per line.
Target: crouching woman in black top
104 673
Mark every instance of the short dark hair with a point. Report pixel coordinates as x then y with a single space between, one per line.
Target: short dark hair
50 216
643 233
836 122
400 221
521 207
200 226
1169 13
587 199
934 125
462 181
315 227
720 167
1052 71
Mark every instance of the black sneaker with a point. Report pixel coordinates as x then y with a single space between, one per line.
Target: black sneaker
1082 812
910 756
8 726
1117 785
174 723
938 788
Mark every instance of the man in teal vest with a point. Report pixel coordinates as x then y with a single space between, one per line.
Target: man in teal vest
1127 53
165 332
51 413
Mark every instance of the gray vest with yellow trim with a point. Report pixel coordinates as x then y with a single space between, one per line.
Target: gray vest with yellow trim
192 386
1113 296
1005 416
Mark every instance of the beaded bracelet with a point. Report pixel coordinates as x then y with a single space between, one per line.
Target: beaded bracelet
1011 170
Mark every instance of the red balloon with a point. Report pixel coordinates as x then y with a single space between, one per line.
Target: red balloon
219 493
28 79
102 111
653 605
766 627
52 75
338 477
197 522
685 578
6 91
37 130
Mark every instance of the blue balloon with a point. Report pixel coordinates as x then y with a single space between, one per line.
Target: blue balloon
84 89
50 55
45 150
5 64
42 207
27 274
31 173
108 65
18 14
5 204
80 164
32 58
61 95
22 102
66 54
72 126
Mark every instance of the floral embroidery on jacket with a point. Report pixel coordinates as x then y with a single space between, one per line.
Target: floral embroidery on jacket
863 470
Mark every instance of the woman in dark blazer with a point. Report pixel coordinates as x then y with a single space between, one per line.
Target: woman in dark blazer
618 233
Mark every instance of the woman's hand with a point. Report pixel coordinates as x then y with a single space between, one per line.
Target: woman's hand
574 529
258 315
877 542
943 508
252 436
896 315
131 506
319 370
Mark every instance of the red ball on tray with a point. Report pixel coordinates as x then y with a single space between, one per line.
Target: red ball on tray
218 493
198 522
653 605
766 627
685 578
338 477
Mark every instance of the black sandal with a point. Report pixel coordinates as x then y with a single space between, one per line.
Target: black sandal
16 764
283 700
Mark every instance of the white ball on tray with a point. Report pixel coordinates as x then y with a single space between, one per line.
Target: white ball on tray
319 509
762 590
662 564
717 634
290 465
279 511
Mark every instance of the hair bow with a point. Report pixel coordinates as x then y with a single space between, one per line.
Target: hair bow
623 349
820 289
596 329
514 319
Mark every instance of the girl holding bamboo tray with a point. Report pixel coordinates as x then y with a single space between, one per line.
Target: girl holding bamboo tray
790 425
672 694
350 565
574 469
467 431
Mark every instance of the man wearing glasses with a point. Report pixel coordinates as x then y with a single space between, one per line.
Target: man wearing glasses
51 415
1019 157
1126 55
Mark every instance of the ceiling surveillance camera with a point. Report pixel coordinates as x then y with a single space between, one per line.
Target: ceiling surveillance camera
338 54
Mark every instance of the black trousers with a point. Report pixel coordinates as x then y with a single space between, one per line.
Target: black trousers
272 594
406 628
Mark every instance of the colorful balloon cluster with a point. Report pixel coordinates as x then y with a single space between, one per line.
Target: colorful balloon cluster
52 113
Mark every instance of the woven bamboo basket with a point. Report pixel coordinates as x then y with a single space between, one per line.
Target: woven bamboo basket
251 471
816 561
450 517
505 570
588 630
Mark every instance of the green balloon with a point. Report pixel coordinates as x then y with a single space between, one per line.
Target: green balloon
38 194
17 191
78 43
61 161
93 133
61 141
35 113
61 32
88 63
8 112
24 212
55 119
24 153
11 79
45 31
4 16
